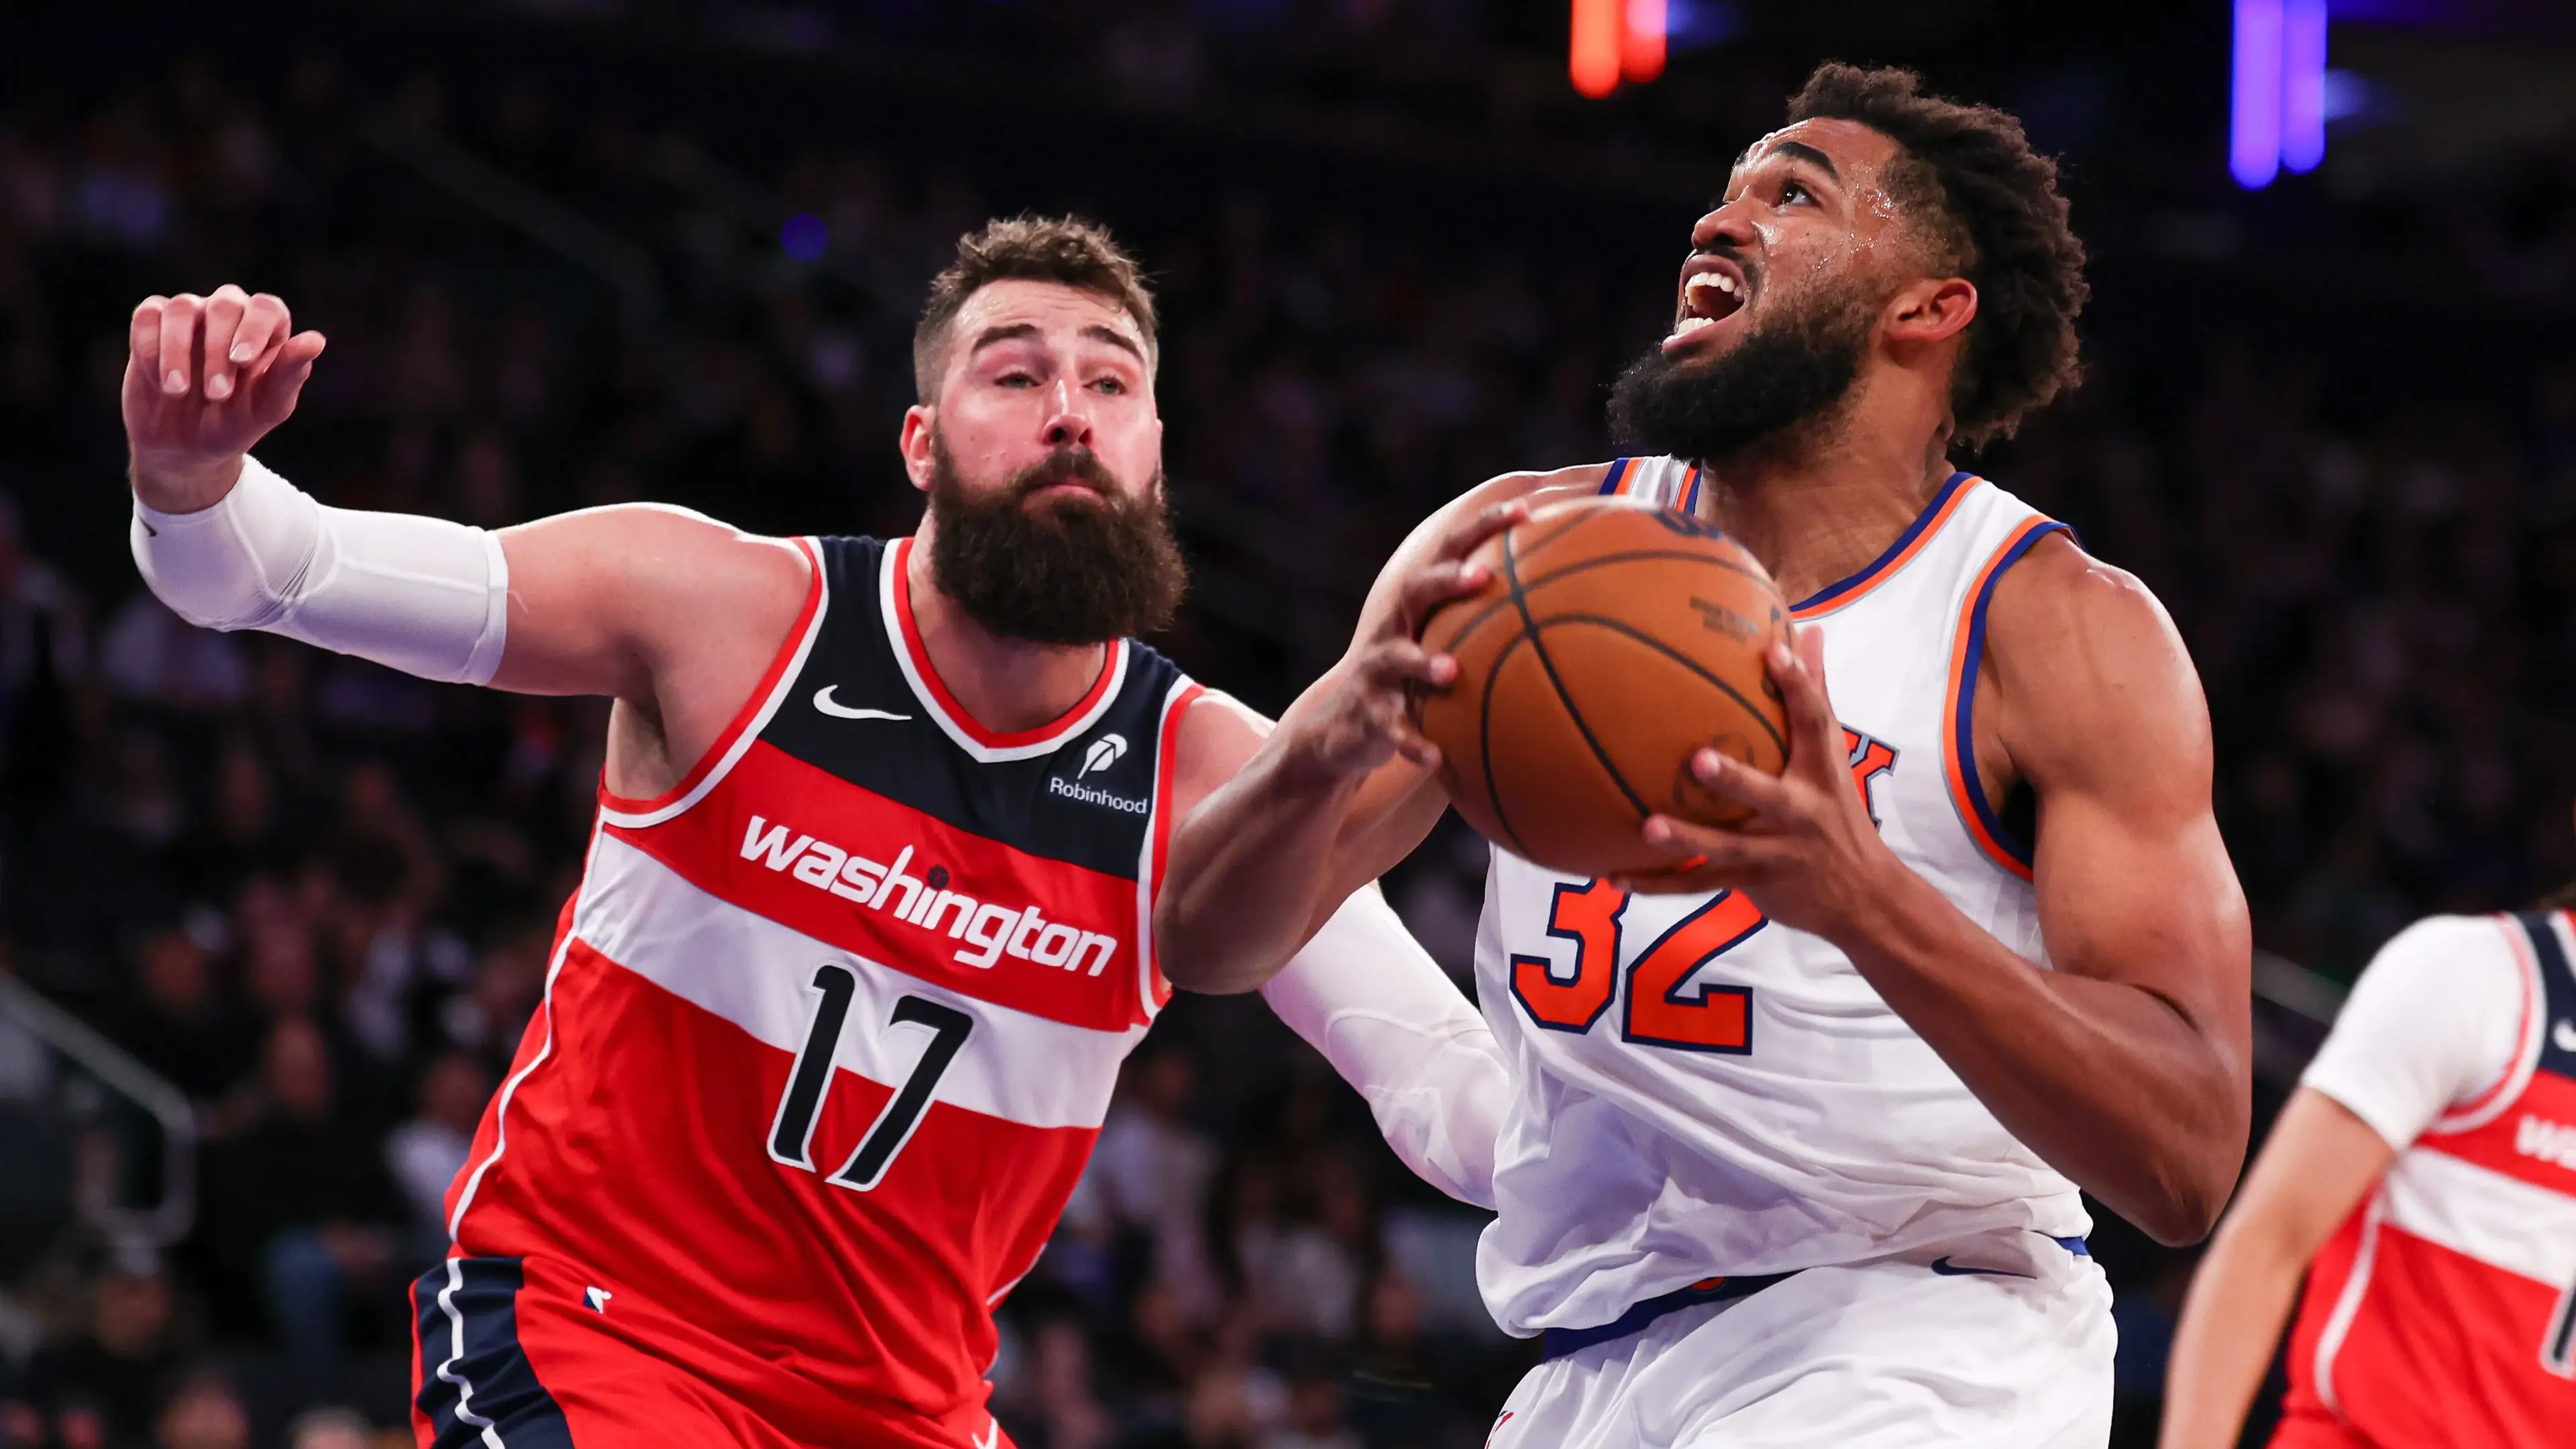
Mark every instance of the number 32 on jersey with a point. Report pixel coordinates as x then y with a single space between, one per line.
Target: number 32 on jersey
1669 1003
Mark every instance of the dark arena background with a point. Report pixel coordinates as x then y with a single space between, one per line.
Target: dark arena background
272 920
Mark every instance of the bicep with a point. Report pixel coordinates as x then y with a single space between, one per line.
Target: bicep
608 600
2104 719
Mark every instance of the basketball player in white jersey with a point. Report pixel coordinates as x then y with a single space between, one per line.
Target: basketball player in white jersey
651 1242
1801 1121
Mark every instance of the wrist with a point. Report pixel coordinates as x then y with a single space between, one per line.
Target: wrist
175 485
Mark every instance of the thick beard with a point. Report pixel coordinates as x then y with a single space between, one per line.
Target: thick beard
1776 380
1062 573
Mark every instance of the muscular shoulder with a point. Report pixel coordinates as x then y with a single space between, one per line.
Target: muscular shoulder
2089 671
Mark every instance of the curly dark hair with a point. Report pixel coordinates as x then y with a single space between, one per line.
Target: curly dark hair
2002 226
1066 250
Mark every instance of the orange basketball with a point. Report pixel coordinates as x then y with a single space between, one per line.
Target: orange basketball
1615 640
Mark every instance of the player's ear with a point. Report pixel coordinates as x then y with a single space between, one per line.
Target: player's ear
1931 309
920 425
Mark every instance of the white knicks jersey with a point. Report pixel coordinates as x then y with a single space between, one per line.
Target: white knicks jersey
1703 1093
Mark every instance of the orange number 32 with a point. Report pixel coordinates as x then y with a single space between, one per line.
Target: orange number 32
1712 1018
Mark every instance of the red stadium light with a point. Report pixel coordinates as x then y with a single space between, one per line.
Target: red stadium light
1595 58
1641 48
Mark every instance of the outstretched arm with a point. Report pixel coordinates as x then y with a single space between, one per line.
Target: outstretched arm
672 614
1364 993
1344 788
2318 1162
2127 1067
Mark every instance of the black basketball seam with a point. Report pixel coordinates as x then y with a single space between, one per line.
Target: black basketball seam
1485 615
1485 745
1538 647
1678 657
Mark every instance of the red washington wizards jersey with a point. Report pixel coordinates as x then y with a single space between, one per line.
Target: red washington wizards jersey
2443 1312
829 1031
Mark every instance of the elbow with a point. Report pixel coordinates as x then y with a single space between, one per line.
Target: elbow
2183 1204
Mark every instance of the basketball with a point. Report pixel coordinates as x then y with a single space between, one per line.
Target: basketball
1615 639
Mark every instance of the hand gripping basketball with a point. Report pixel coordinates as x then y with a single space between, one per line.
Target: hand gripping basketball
1808 855
1366 720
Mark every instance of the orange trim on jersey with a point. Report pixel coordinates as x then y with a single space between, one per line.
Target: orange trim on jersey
1166 764
1909 543
1967 647
770 682
910 633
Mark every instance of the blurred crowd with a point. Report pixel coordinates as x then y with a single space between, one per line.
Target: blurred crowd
317 897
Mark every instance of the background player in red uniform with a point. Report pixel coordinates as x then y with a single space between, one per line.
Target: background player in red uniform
2423 1177
652 1244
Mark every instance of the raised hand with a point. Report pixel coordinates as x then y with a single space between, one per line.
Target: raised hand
205 379
1366 719
1808 856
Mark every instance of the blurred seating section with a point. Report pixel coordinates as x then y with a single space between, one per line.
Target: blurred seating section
585 252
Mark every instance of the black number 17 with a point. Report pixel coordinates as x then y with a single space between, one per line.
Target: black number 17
791 1138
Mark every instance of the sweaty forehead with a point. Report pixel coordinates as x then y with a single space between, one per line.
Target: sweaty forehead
1859 154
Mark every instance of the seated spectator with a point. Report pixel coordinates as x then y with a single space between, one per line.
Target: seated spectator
104 1387
329 1428
298 1200
204 1414
426 1152
179 1021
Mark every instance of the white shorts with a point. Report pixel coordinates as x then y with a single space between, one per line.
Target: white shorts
1873 1355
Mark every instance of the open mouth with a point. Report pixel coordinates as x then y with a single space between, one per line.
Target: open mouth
1710 294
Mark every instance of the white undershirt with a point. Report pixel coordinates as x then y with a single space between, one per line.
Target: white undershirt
2435 1021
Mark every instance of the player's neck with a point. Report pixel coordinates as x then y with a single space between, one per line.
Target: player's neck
1005 685
1826 509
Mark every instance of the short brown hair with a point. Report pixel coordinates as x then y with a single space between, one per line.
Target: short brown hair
1065 250
2002 225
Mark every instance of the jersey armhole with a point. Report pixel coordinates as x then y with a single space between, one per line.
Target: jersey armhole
747 721
1994 838
2522 934
1153 989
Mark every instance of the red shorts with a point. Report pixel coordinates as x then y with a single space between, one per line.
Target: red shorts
497 1368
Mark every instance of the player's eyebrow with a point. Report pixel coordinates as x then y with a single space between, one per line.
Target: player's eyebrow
1114 338
1008 332
1801 151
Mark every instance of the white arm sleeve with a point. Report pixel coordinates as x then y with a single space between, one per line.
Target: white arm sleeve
421 595
2436 1020
1365 994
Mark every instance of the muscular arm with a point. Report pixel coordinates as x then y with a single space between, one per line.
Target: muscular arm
1274 848
1364 994
2127 1066
2319 1161
673 615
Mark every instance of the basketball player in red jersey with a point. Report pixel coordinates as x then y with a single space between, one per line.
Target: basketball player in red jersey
865 928
2423 1177
1854 1221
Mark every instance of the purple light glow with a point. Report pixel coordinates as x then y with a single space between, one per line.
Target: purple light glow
2254 133
2303 84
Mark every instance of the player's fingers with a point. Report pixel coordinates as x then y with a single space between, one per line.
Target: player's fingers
224 312
1433 585
1746 786
274 391
1800 673
264 323
1471 534
1398 664
176 367
143 336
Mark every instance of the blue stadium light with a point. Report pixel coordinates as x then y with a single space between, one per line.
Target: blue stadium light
2303 84
2254 130
804 237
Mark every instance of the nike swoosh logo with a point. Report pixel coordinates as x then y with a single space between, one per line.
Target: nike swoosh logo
1948 1269
824 702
